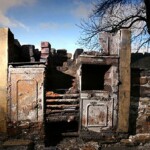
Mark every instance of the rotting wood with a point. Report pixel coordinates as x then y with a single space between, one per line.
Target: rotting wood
50 111
63 118
62 100
63 106
62 95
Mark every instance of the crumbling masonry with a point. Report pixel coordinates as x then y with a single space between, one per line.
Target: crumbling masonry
46 95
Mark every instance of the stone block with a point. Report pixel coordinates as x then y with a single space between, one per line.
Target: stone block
108 88
140 60
62 52
45 50
53 51
109 43
44 55
37 54
139 80
45 45
140 91
69 55
28 49
77 53
143 80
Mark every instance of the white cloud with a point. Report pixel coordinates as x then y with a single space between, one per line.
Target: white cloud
82 9
5 5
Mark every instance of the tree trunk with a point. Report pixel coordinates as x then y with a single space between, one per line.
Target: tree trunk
147 5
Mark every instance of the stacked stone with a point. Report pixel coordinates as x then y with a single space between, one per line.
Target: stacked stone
53 51
109 43
17 51
45 51
77 53
140 94
37 54
28 53
59 57
63 61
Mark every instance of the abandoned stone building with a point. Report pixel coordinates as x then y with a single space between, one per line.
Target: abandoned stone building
49 95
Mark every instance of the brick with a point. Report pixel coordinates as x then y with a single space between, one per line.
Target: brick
45 45
45 50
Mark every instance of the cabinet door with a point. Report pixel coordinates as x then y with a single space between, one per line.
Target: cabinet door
26 94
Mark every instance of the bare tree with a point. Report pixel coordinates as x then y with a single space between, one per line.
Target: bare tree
113 15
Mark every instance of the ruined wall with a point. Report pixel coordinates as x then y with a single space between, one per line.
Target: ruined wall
25 101
99 94
63 68
12 53
120 44
140 94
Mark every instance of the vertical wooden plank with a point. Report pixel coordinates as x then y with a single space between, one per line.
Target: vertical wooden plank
124 87
6 55
3 77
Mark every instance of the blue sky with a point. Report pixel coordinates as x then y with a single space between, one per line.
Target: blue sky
33 21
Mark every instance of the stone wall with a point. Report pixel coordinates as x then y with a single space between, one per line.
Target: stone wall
139 101
140 94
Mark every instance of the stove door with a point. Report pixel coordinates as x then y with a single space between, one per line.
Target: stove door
97 115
